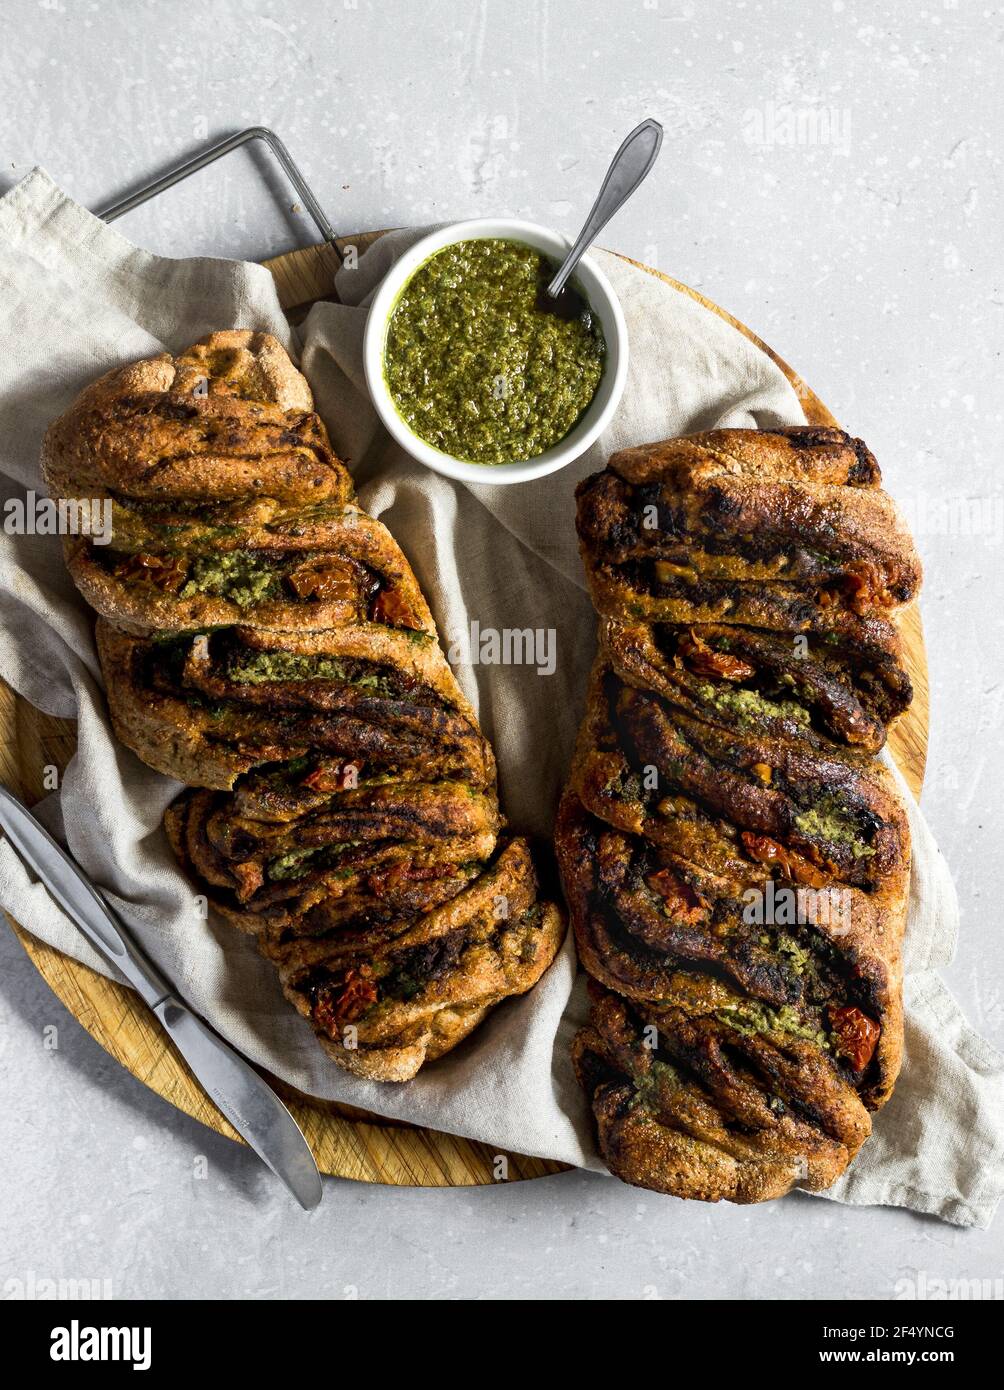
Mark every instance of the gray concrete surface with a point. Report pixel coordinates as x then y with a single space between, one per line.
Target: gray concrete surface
831 174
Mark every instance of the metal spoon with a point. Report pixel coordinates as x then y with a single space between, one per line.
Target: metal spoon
628 168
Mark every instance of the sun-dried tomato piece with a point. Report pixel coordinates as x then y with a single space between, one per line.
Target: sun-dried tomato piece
167 572
249 878
324 577
865 586
346 1000
682 902
854 1035
391 609
700 659
335 777
323 1013
419 874
384 881
793 866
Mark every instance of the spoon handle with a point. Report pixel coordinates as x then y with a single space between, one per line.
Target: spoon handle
628 167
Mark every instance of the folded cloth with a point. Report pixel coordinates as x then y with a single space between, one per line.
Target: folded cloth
77 299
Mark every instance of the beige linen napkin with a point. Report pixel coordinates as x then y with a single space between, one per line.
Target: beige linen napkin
77 299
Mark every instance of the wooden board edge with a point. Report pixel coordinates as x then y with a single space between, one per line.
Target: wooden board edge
365 1150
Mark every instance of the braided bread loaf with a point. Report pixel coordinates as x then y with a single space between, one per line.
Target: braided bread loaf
266 642
735 861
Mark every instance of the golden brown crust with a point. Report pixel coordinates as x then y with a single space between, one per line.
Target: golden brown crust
697 1125
827 947
784 532
191 719
266 642
348 557
163 730
735 862
814 453
381 851
847 691
435 980
165 442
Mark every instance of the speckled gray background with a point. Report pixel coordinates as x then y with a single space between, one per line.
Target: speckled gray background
866 250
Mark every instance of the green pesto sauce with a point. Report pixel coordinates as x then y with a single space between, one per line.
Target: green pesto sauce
828 820
298 862
749 1016
475 368
798 957
289 865
749 705
290 666
647 1083
240 576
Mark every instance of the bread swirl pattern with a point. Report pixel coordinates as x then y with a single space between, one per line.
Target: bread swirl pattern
265 641
735 861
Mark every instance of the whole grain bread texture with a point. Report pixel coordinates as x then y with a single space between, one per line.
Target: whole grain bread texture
734 858
265 641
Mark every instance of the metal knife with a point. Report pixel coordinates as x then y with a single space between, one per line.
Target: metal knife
248 1102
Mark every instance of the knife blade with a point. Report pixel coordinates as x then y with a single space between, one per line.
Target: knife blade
235 1088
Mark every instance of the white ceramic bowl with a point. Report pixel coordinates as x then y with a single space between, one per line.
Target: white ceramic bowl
602 300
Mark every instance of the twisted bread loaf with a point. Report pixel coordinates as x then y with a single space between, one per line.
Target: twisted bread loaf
735 862
266 642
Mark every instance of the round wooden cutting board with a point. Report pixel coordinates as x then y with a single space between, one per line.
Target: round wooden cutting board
346 1142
